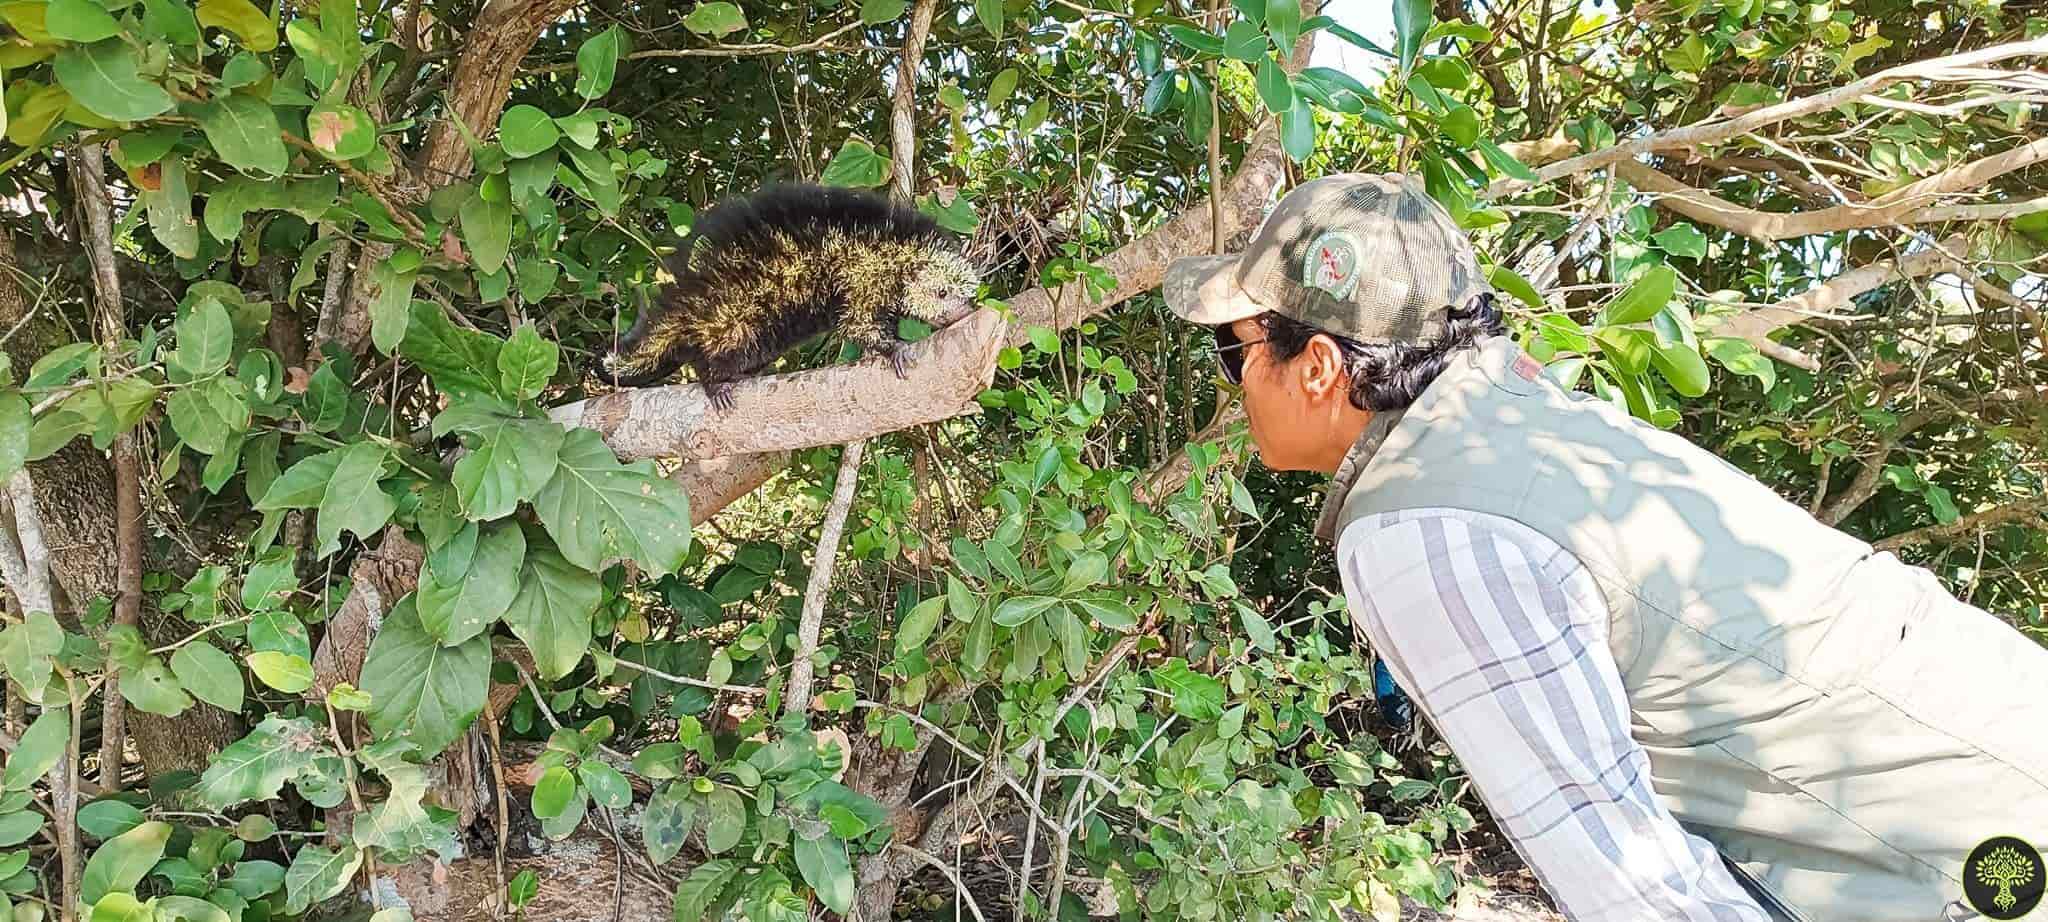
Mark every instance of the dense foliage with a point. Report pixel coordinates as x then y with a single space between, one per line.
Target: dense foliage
349 258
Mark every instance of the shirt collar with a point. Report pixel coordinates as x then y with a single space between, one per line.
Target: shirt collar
1376 431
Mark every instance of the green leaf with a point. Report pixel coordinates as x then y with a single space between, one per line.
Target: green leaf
824 865
79 21
121 863
697 892
105 819
1001 86
1035 115
456 607
607 787
169 208
206 337
856 165
254 880
271 580
598 509
243 131
209 675
255 30
527 362
917 626
209 414
1412 19
1013 612
524 887
174 908
1644 297
1073 638
1682 365
1942 504
1195 696
353 501
1743 358
19 827
597 61
1274 89
552 611
256 766
1682 240
1241 41
1505 163
667 822
340 131
552 792
152 688
525 131
1461 125
1196 39
1283 19
597 168
122 907
487 223
876 12
316 874
1513 283
242 70
463 363
1298 130
725 819
990 14
419 689
1111 614
1629 349
286 672
40 748
103 77
717 19
302 485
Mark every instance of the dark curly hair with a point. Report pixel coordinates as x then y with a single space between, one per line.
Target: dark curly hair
1389 376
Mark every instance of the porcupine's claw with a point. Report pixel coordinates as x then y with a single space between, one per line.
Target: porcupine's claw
899 359
720 394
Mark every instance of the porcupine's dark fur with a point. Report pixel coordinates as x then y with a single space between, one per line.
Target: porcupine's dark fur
762 274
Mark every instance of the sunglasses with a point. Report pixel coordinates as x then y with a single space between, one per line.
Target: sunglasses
1230 354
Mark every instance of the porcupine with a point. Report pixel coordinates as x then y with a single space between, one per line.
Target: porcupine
764 273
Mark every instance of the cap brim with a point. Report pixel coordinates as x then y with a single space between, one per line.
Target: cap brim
1204 290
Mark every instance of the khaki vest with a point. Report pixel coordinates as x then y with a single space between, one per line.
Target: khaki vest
1831 719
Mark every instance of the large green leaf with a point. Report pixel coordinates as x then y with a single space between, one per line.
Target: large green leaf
121 863
1684 367
456 607
1195 696
244 132
716 19
725 819
666 824
152 688
1274 88
250 26
256 766
209 675
1412 19
596 169
302 485
341 131
175 908
463 363
1645 297
79 21
856 165
823 863
287 672
353 501
420 690
391 309
513 458
1283 19
527 362
598 509
1013 612
19 827
696 894
169 207
316 874
551 613
401 826
487 221
40 747
917 626
525 131
206 339
208 415
597 61
103 77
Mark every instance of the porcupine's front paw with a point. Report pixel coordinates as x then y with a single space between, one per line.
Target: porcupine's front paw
899 359
720 395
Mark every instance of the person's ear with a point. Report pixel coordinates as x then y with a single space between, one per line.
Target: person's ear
1322 368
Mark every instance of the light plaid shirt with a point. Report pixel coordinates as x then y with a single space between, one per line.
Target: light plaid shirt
1500 636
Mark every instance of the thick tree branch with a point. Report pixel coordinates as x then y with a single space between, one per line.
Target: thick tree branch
1871 476
1717 130
1908 205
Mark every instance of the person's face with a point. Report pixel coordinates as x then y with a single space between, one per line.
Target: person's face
1300 410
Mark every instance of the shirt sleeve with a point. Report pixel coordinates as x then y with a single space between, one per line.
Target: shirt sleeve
1500 636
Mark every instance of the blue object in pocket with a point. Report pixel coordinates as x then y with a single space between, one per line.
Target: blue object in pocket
1395 709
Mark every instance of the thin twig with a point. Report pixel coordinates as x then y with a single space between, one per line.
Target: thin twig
958 886
802 669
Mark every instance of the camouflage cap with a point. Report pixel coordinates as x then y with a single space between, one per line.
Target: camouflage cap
1369 257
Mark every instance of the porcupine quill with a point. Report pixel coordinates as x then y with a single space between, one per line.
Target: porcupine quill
760 275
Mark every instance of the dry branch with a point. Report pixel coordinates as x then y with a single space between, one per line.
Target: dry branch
2029 510
1836 293
1717 130
1912 204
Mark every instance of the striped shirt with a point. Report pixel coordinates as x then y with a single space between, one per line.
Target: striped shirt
1500 636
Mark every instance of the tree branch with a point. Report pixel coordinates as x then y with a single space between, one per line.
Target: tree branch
1906 205
1871 475
2033 510
1834 294
811 623
1716 130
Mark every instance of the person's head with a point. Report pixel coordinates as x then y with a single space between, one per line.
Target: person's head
1347 301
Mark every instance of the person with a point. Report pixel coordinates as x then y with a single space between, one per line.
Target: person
1678 694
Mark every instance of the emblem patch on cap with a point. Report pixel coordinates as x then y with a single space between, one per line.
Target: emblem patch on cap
1331 264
